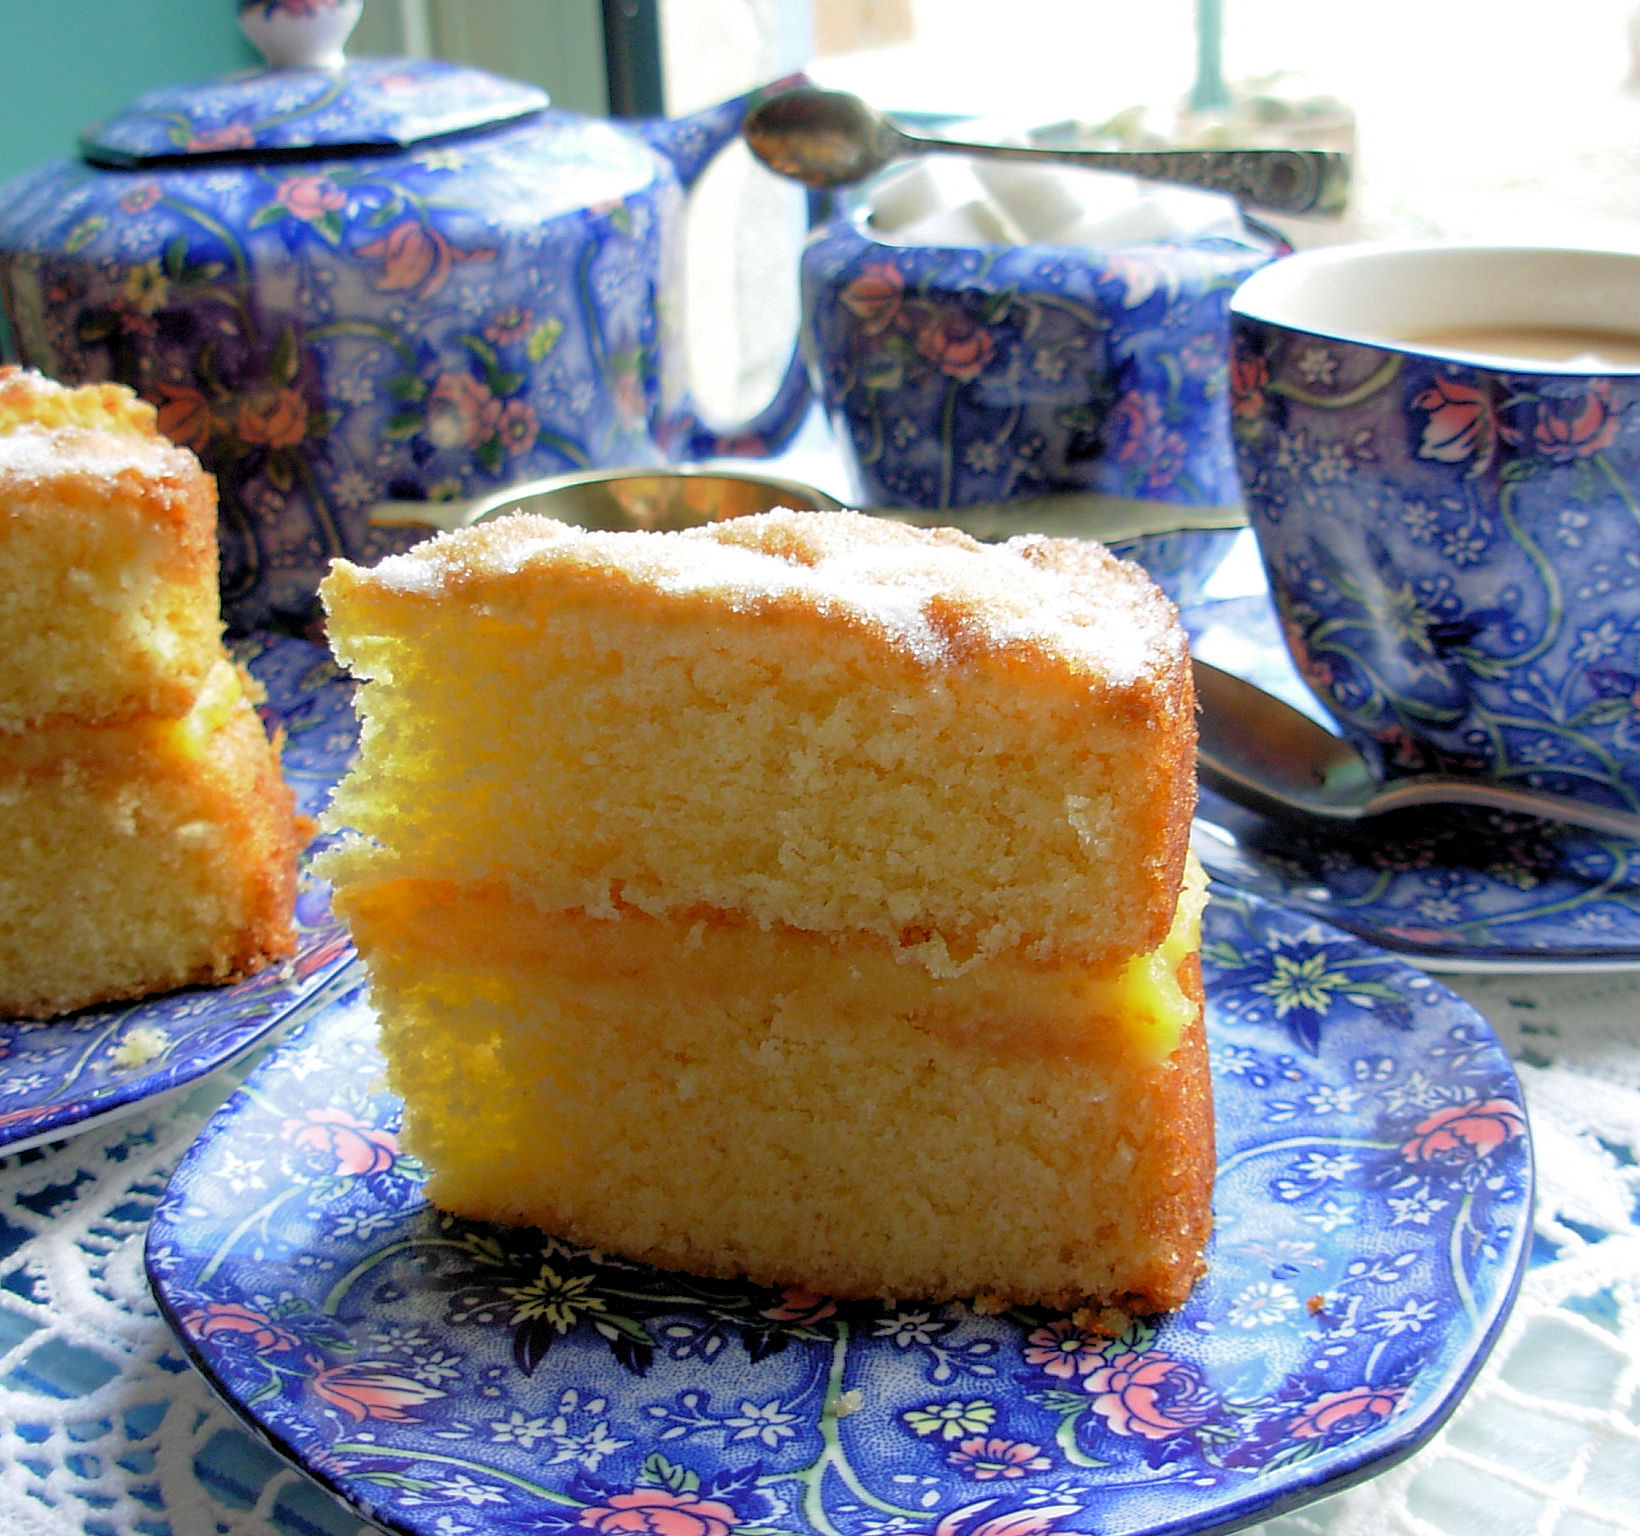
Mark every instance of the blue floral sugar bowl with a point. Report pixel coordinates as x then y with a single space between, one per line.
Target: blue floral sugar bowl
344 282
981 333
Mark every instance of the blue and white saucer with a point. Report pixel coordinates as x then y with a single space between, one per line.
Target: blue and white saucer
66 1075
1372 1219
1452 888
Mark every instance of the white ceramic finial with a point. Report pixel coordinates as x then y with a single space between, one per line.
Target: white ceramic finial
300 34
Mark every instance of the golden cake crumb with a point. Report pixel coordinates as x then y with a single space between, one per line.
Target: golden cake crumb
150 839
802 897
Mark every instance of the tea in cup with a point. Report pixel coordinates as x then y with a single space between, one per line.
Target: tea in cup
1439 448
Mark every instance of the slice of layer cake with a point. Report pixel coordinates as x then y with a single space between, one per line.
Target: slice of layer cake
150 839
801 897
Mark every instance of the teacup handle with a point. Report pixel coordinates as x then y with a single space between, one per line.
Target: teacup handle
691 144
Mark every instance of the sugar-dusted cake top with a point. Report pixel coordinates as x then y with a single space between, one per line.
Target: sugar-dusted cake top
28 397
935 592
35 457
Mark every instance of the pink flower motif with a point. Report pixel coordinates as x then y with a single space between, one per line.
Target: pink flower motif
1166 462
372 1389
1249 378
1345 1413
986 1459
357 1146
518 427
1316 670
416 258
512 324
1064 1350
402 84
659 1512
185 416
1573 429
461 412
1400 746
1136 426
230 136
230 1320
1460 423
1460 1134
1150 1395
140 198
310 197
956 344
273 418
797 1306
873 298
1415 935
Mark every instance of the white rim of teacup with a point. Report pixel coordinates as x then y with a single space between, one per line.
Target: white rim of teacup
1387 294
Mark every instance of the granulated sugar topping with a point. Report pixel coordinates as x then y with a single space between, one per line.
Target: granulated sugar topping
936 592
33 456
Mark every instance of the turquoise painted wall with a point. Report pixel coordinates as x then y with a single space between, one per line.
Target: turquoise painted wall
66 63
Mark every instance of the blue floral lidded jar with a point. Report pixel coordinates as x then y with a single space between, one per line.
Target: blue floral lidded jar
966 370
346 282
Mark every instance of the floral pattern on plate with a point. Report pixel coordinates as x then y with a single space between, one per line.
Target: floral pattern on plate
1453 888
445 1377
64 1075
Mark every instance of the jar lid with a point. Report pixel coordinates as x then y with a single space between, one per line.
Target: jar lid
310 102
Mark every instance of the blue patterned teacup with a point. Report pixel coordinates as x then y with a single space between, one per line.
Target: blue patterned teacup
1439 446
967 361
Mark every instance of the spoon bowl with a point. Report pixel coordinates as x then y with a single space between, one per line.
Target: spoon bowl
1259 751
828 138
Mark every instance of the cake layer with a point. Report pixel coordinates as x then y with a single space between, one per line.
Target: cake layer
802 1109
143 856
824 721
108 575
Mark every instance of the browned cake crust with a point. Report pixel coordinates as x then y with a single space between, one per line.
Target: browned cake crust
1180 1217
131 872
108 576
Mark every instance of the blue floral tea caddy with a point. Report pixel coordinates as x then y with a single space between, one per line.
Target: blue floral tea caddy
348 282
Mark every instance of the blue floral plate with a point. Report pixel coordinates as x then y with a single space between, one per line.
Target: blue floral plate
1373 1211
66 1075
1453 888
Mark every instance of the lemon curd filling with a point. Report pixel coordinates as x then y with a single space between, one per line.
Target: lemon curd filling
218 700
1147 996
1135 1009
158 740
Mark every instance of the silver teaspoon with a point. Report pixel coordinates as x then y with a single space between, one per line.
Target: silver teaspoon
833 139
1258 750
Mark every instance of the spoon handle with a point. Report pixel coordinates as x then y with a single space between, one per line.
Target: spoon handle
1306 181
1397 793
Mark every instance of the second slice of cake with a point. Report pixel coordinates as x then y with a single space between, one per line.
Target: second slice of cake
801 897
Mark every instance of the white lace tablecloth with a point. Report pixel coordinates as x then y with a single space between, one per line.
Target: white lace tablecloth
106 1430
